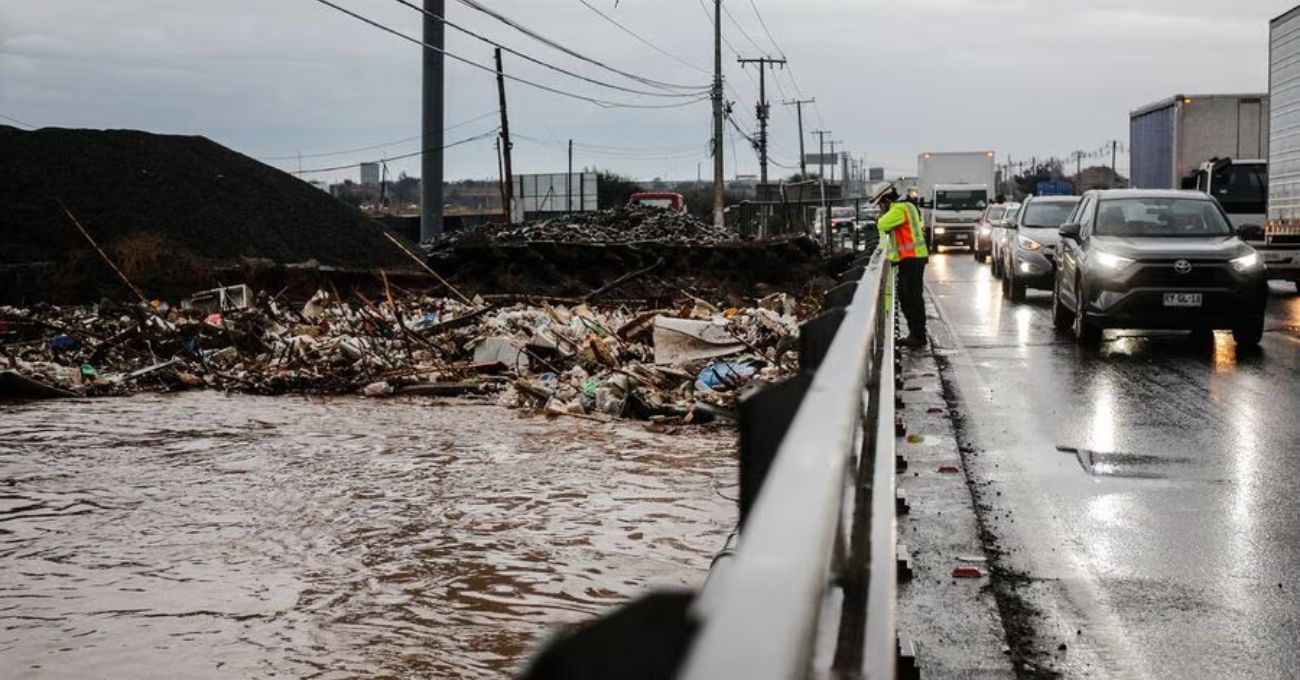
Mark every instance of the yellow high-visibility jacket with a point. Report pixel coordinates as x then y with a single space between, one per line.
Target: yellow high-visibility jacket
903 228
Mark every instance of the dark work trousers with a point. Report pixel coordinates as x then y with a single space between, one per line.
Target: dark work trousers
911 294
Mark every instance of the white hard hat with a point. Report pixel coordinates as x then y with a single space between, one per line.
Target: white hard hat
881 190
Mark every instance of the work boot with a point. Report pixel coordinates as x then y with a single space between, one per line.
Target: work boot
914 341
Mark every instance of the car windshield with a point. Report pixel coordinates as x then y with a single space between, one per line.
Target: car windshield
994 214
1045 214
1153 216
655 202
960 200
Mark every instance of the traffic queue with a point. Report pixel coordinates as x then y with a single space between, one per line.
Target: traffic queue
1129 258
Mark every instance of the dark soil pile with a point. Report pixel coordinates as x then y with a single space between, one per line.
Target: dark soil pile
171 211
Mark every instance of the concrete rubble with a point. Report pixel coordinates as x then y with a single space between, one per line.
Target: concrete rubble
564 359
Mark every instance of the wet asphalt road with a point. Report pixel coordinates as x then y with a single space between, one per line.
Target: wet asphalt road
1148 491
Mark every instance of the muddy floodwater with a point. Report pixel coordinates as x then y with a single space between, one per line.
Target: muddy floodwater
210 536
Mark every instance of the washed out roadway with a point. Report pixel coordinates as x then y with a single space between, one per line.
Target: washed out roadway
1145 496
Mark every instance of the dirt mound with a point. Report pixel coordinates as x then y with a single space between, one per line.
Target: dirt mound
187 200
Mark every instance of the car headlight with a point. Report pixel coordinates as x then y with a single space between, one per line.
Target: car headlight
985 231
1247 263
940 230
1113 262
1028 243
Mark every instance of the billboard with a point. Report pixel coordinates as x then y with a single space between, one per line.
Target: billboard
556 192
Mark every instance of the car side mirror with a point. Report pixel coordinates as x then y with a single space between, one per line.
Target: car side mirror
1008 224
1070 231
1250 232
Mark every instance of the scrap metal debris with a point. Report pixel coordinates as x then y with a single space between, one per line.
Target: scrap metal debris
578 360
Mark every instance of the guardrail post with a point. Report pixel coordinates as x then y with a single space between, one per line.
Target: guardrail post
815 336
763 417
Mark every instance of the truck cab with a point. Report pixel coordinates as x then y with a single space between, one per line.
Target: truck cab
659 199
952 212
1241 187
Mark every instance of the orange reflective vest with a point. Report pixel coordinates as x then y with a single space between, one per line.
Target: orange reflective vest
903 228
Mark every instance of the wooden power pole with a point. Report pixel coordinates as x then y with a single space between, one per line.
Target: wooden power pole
508 172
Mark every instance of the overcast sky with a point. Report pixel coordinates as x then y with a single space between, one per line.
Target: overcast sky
273 78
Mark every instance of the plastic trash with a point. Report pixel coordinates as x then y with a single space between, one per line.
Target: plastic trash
377 389
213 320
725 374
88 372
64 342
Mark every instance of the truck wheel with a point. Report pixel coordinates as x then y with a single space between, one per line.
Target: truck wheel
1062 317
1249 334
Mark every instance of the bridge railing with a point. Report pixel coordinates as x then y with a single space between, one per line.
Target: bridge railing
807 588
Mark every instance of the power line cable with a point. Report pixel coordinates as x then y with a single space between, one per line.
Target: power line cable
472 4
764 25
421 152
634 34
605 104
743 32
19 122
553 67
373 146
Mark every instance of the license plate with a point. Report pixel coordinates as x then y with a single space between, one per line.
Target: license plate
961 237
1182 299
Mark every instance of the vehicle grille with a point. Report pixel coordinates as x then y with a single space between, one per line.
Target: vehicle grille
1162 275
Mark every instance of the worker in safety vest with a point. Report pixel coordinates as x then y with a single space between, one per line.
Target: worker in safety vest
903 236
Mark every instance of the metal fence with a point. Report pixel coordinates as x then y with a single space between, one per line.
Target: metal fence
806 588
783 218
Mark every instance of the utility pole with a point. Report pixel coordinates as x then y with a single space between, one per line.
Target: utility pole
798 108
1114 169
763 109
719 181
508 173
821 151
836 158
432 110
568 183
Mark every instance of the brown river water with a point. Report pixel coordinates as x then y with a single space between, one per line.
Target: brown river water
210 536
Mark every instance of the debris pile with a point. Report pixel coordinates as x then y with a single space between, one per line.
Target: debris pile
683 362
654 256
631 224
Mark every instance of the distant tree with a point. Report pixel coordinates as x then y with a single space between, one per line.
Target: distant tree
1026 183
614 190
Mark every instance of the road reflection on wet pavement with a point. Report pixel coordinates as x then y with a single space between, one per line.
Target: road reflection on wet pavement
1149 491
201 535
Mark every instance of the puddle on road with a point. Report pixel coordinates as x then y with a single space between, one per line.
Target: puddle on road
1117 464
204 536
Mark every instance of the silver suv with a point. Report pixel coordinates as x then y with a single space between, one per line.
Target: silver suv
1028 248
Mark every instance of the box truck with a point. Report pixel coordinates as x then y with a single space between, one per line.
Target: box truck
1280 246
955 188
1215 143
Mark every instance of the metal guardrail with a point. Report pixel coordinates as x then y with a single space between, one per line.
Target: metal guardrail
821 530
809 587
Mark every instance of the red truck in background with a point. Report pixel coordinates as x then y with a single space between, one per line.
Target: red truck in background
659 199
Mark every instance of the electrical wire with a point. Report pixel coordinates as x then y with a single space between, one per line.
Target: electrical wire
552 67
605 104
413 154
764 25
19 122
649 44
473 4
743 32
372 147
